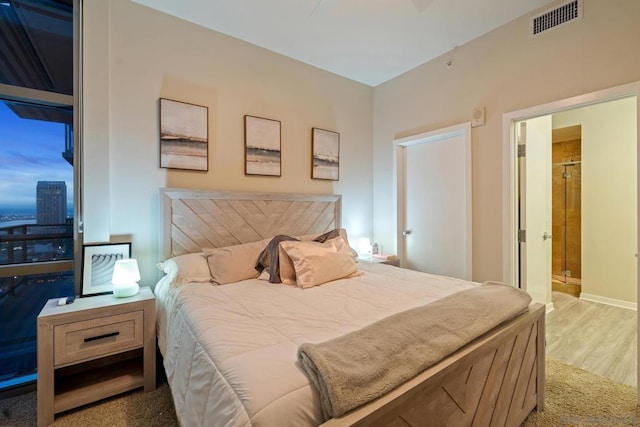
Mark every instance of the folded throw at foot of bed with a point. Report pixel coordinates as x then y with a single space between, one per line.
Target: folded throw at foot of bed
355 368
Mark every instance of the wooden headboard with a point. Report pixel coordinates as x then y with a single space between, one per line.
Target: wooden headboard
196 219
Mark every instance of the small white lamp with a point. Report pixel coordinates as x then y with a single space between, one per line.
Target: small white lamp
364 247
125 278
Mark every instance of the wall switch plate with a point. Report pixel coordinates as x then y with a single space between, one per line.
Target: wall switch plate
477 117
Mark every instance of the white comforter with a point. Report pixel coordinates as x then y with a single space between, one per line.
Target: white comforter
230 351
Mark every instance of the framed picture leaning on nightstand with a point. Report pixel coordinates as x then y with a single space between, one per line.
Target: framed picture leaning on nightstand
97 266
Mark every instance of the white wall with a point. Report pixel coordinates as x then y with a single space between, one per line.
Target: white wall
135 55
609 197
95 122
504 71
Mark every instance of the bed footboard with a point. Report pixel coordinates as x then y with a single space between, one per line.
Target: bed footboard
497 379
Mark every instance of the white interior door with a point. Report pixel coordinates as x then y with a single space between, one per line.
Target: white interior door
535 208
436 223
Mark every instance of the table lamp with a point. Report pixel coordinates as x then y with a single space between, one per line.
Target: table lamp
364 247
125 278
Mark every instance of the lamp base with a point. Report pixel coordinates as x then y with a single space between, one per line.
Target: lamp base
123 291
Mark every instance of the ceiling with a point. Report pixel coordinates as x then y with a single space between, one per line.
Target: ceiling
370 41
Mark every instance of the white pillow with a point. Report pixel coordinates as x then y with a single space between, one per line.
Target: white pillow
187 268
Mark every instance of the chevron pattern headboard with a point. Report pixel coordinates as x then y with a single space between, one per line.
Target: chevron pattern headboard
196 219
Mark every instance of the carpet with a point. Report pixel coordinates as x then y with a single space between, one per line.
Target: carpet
132 409
574 397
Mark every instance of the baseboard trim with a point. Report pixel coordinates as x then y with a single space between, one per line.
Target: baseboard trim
609 301
549 308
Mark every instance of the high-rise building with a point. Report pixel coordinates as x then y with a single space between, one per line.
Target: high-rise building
51 204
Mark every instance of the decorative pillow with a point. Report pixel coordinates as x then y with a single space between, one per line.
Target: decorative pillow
330 235
269 259
234 263
317 263
287 270
187 268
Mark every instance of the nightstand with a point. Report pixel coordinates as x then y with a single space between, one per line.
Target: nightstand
94 348
372 260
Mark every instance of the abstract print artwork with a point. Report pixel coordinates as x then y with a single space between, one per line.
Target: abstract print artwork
262 146
184 135
326 154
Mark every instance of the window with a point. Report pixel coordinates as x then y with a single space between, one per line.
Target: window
37 174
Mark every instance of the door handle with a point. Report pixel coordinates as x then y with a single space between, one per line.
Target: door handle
405 233
546 236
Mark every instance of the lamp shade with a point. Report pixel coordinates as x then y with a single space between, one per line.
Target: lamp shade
125 277
364 246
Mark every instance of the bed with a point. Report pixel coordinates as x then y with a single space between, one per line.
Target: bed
231 352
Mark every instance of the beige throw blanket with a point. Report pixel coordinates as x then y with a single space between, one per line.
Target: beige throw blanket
355 368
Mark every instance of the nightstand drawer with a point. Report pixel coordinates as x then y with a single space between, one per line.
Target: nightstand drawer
88 339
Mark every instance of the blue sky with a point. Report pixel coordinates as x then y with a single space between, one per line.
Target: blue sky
30 151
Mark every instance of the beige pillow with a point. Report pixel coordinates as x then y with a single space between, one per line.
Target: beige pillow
269 258
317 263
234 263
187 268
341 231
287 270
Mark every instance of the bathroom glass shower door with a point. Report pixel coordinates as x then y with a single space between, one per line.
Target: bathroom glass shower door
566 222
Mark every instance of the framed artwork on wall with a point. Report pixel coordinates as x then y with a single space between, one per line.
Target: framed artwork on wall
97 266
184 135
261 146
325 161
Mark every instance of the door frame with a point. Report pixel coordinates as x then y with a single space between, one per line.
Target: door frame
509 175
399 197
510 159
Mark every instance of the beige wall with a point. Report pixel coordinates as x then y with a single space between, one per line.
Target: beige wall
503 71
135 55
609 197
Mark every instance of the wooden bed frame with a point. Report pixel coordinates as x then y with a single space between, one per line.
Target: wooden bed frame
497 379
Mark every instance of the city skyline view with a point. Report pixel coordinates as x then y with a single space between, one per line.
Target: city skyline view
30 151
36 225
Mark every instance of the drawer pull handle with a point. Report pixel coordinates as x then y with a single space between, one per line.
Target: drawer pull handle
99 337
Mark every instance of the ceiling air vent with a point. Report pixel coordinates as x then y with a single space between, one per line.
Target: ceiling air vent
553 18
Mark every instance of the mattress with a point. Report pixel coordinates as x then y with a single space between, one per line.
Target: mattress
230 351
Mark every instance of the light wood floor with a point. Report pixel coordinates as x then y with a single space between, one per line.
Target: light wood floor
596 337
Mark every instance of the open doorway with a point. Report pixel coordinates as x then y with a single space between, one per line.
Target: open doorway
608 238
578 203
